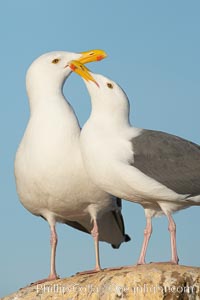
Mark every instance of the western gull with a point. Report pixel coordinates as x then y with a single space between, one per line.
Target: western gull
50 177
156 169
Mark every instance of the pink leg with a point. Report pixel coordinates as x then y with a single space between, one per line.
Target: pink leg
172 230
95 235
147 235
53 241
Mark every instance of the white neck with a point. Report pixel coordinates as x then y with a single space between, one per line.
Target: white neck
43 91
111 117
48 104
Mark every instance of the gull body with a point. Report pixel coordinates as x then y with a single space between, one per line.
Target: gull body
155 169
50 176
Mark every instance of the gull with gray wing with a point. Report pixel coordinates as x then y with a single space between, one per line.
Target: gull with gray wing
158 170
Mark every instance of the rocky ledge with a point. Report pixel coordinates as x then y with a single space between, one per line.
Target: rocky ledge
152 281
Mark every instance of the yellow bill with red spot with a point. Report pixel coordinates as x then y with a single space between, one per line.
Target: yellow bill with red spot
80 69
92 55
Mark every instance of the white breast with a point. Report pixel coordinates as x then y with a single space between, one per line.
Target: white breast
49 169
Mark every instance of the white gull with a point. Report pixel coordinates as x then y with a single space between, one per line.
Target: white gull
50 177
158 170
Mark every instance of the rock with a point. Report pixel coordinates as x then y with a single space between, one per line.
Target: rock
152 281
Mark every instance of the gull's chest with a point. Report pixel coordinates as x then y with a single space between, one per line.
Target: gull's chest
102 152
47 159
103 145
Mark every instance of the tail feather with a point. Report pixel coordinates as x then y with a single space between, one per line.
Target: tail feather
120 222
110 224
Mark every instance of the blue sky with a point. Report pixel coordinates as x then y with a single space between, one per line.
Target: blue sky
153 49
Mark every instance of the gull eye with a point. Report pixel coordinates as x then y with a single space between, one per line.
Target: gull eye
109 85
55 60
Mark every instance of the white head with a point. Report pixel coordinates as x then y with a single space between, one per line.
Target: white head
49 71
106 91
107 97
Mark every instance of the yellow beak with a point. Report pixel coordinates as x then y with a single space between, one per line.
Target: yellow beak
77 67
92 55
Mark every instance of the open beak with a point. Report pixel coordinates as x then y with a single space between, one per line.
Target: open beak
77 67
92 55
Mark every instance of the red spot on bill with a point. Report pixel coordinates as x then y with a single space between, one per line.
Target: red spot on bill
100 57
72 67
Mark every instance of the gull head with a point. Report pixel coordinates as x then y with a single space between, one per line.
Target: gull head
51 69
105 93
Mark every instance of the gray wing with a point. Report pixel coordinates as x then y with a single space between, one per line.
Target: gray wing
120 223
169 159
111 226
77 225
73 224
